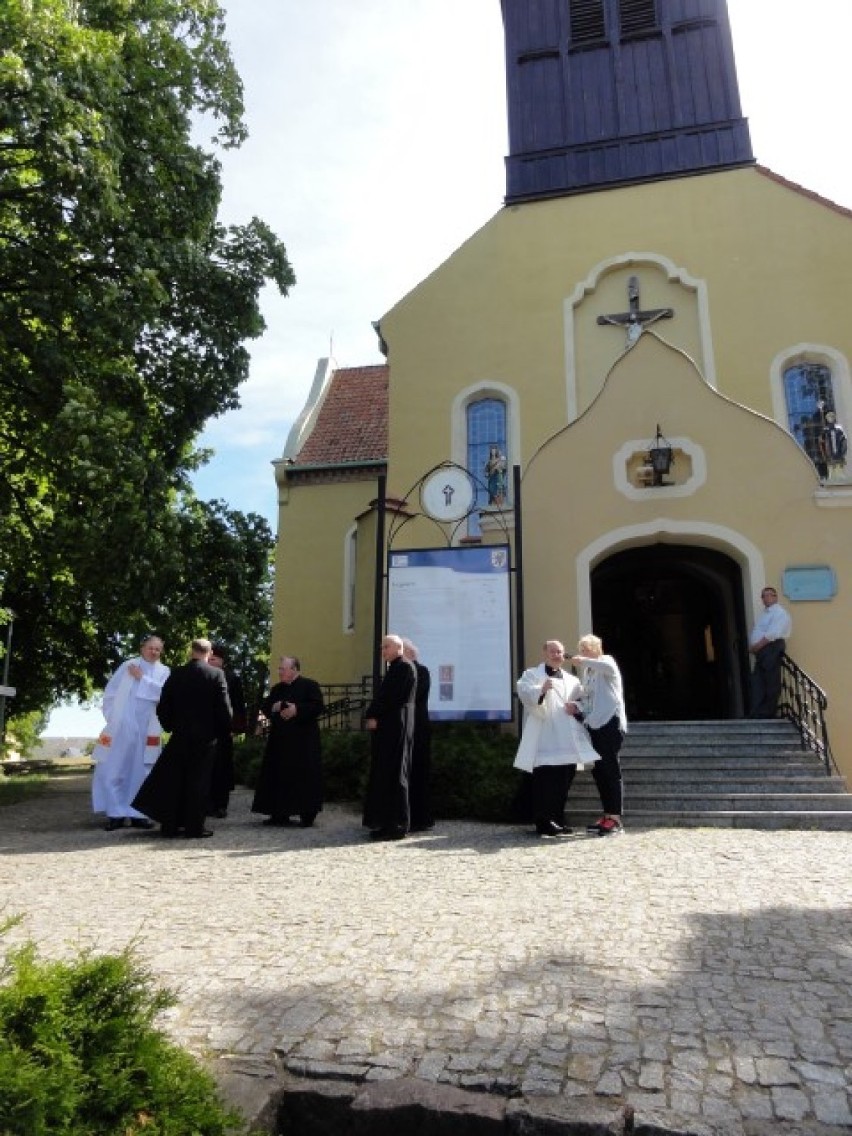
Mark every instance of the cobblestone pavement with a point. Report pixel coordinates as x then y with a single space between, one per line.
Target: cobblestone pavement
700 973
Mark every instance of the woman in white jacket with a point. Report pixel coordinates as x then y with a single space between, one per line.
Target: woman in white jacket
602 701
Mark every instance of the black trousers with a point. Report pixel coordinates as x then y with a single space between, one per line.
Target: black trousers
550 785
766 680
607 741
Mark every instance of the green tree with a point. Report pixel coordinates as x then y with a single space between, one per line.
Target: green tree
22 733
124 309
218 583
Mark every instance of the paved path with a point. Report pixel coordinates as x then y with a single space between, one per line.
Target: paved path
699 973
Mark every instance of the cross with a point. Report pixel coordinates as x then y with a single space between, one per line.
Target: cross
635 320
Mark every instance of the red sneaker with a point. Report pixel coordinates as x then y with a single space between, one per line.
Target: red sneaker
608 826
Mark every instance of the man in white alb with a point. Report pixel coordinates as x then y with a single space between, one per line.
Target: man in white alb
553 742
767 643
130 742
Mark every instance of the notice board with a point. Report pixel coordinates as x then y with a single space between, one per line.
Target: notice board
455 605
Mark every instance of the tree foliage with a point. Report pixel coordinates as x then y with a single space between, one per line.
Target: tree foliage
124 310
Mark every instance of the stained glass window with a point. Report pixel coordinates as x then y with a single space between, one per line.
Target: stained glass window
809 394
487 457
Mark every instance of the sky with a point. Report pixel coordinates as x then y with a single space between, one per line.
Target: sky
377 135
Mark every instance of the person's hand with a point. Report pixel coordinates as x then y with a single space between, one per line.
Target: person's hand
370 723
135 670
288 711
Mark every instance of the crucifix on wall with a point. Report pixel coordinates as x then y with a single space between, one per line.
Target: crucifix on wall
635 320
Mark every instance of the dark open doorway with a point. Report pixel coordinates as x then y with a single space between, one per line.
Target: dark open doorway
673 617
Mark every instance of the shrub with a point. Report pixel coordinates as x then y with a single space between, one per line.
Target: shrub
472 773
80 1054
345 764
248 754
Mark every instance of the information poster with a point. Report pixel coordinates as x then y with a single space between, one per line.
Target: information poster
454 603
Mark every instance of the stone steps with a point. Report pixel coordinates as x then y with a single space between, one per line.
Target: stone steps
727 773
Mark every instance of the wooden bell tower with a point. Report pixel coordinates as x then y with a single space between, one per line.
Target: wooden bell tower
613 92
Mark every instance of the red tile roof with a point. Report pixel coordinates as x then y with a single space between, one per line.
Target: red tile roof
804 192
352 425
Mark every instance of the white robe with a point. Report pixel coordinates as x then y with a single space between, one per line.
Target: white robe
551 736
130 742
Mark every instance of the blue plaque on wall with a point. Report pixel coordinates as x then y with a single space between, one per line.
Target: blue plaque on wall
809 582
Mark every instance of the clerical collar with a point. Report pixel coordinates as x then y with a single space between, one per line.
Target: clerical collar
554 672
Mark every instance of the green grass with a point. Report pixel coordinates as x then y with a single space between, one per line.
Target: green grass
22 787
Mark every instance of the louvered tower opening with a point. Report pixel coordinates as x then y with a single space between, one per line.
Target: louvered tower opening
636 16
587 21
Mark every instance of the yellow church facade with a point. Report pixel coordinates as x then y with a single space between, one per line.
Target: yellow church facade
704 314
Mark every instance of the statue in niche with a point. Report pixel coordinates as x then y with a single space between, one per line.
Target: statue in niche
833 443
495 474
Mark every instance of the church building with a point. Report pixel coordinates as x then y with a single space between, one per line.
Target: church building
654 331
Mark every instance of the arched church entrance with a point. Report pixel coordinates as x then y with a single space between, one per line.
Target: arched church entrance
673 617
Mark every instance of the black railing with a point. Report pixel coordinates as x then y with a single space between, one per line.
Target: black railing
804 703
345 703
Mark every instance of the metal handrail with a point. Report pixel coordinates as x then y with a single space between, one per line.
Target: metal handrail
803 703
344 703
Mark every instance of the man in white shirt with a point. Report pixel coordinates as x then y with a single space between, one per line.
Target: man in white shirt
602 703
767 643
553 741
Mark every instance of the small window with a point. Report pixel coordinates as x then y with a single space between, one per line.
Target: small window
809 393
350 562
587 21
636 16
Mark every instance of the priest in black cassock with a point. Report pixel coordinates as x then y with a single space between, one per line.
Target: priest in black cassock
290 781
390 718
195 709
419 787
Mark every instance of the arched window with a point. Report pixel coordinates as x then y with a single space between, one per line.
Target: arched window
487 456
809 397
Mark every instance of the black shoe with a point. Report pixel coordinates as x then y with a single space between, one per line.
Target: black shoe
551 830
113 823
205 832
141 822
306 822
427 827
387 834
169 831
220 814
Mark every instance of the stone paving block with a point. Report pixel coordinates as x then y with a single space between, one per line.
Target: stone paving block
561 1116
790 1104
410 1105
668 1123
775 1071
832 1108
